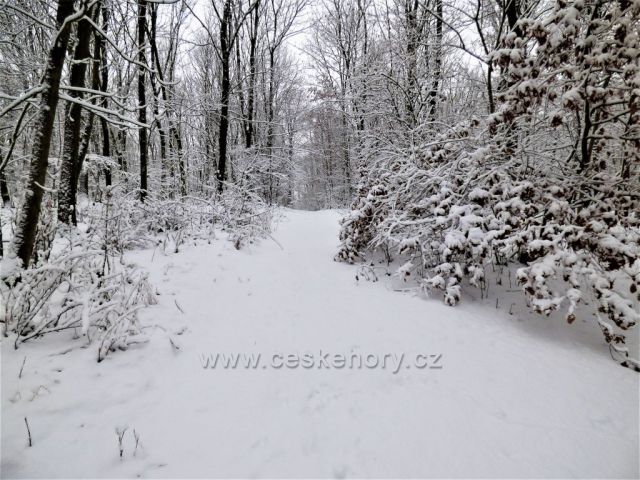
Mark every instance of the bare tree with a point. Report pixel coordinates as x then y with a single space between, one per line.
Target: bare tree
27 223
142 101
229 26
69 164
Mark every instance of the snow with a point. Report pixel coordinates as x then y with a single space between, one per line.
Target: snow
478 194
517 395
454 239
405 269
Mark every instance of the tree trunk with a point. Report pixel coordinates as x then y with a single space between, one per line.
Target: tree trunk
121 147
157 91
225 87
4 190
270 115
142 102
346 147
435 86
25 236
6 201
67 188
181 165
253 42
104 86
512 12
86 135
513 15
174 133
412 95
120 137
240 89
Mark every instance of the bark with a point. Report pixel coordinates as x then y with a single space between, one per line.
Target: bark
120 140
225 88
69 164
586 145
240 89
270 116
121 147
174 131
158 90
360 125
4 190
142 102
412 94
88 128
437 73
512 10
104 87
181 164
347 156
253 43
6 200
492 103
24 239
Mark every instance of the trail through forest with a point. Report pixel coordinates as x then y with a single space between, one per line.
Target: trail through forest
501 396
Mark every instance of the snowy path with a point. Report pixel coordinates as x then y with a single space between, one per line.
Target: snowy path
514 398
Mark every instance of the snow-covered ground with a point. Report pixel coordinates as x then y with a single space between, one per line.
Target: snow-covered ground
517 395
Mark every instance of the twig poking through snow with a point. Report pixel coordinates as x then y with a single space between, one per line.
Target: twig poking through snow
26 422
136 435
174 344
275 241
178 306
120 433
22 367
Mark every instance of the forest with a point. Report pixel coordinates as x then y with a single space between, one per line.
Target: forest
455 182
